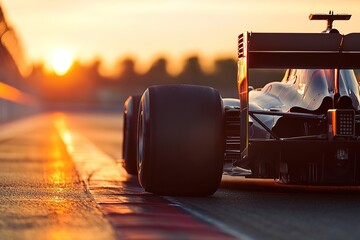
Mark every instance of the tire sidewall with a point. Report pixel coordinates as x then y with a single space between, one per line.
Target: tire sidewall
131 109
171 174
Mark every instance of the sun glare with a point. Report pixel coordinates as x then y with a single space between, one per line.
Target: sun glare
61 61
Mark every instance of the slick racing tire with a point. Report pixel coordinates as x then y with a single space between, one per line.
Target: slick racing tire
181 140
131 108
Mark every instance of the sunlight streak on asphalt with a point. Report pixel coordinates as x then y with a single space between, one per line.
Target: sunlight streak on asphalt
101 165
41 196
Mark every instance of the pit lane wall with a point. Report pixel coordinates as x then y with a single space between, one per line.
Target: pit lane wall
16 97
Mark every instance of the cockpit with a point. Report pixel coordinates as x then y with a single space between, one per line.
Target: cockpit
313 85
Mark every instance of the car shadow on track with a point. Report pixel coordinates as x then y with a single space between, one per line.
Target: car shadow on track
269 185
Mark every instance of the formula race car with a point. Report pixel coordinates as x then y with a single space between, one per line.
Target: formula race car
180 139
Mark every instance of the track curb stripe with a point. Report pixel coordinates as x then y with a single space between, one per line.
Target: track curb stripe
133 213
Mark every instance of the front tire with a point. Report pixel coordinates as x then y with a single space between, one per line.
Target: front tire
181 140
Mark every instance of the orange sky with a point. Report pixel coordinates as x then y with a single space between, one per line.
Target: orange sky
149 28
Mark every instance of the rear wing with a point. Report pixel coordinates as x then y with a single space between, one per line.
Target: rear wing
290 50
300 50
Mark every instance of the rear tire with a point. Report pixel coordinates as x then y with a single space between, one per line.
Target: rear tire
181 140
131 108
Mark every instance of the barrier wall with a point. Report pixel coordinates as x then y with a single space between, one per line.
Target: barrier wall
16 99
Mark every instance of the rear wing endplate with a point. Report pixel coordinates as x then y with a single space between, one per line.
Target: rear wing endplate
290 50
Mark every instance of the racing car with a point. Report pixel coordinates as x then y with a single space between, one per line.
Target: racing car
305 129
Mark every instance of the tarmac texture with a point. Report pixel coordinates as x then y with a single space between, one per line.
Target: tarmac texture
56 184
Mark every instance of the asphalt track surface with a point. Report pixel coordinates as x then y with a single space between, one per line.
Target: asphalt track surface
250 208
41 195
49 202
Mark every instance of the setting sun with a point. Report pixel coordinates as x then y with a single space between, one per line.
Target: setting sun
61 61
